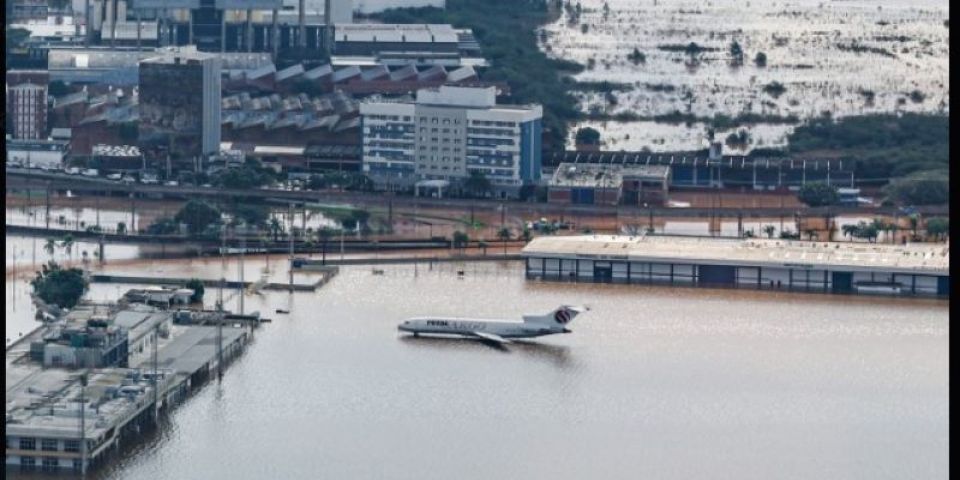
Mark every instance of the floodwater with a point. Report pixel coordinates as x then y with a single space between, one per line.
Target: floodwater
848 58
655 382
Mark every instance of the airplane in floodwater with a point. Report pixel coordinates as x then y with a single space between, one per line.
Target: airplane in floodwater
499 331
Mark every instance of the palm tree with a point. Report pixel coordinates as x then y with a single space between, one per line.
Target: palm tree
526 235
275 228
811 233
50 246
850 230
769 230
504 235
324 234
67 245
914 224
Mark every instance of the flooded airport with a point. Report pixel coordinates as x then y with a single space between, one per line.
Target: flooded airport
654 382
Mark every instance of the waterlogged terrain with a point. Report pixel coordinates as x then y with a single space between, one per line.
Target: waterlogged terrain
843 57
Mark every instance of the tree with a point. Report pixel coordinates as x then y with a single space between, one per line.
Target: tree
811 234
460 240
198 216
526 235
121 228
504 235
59 286
477 183
58 89
850 230
324 234
760 60
251 214
196 285
162 226
276 228
587 136
360 218
67 245
818 194
637 57
938 227
50 246
769 230
736 54
774 89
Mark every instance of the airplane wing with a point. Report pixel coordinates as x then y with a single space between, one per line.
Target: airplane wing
491 337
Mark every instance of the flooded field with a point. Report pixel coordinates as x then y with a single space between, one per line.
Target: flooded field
844 57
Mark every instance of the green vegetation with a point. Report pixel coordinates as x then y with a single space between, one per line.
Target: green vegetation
198 216
601 87
460 240
15 37
588 136
477 184
938 228
736 54
197 286
59 286
760 60
637 57
163 226
506 31
249 175
818 194
738 140
863 230
774 89
911 151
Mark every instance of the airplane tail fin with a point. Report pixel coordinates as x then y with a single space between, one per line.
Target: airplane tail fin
562 315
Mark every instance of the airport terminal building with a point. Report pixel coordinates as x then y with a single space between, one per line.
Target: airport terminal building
832 267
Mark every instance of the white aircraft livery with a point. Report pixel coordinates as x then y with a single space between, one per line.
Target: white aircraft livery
495 330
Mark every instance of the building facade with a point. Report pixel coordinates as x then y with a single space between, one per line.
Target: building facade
27 110
449 132
180 105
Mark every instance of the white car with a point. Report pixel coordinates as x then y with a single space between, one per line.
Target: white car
114 176
73 171
128 179
90 172
171 183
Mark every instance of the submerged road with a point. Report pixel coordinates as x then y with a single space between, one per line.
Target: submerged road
18 177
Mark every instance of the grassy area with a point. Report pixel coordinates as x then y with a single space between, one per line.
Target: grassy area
507 32
906 149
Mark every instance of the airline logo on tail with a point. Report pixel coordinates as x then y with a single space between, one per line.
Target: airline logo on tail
562 316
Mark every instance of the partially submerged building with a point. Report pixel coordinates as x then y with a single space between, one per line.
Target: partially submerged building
837 267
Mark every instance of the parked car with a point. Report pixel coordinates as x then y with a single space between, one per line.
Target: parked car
114 176
90 172
128 179
73 171
171 183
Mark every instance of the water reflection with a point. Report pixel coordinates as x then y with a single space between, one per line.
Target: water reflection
557 355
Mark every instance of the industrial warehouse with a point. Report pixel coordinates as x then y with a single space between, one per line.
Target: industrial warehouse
911 269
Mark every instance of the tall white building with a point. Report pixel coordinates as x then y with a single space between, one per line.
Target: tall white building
448 132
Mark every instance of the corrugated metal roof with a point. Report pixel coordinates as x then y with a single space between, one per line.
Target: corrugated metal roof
913 258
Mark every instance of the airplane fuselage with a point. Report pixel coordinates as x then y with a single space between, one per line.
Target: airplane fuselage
470 327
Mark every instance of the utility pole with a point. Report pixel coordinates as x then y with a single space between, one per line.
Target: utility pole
223 281
83 425
290 216
156 394
48 205
243 248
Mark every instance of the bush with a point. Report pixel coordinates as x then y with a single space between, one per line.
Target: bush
922 188
818 194
59 286
760 60
197 286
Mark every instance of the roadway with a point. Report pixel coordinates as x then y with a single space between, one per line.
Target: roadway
77 183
